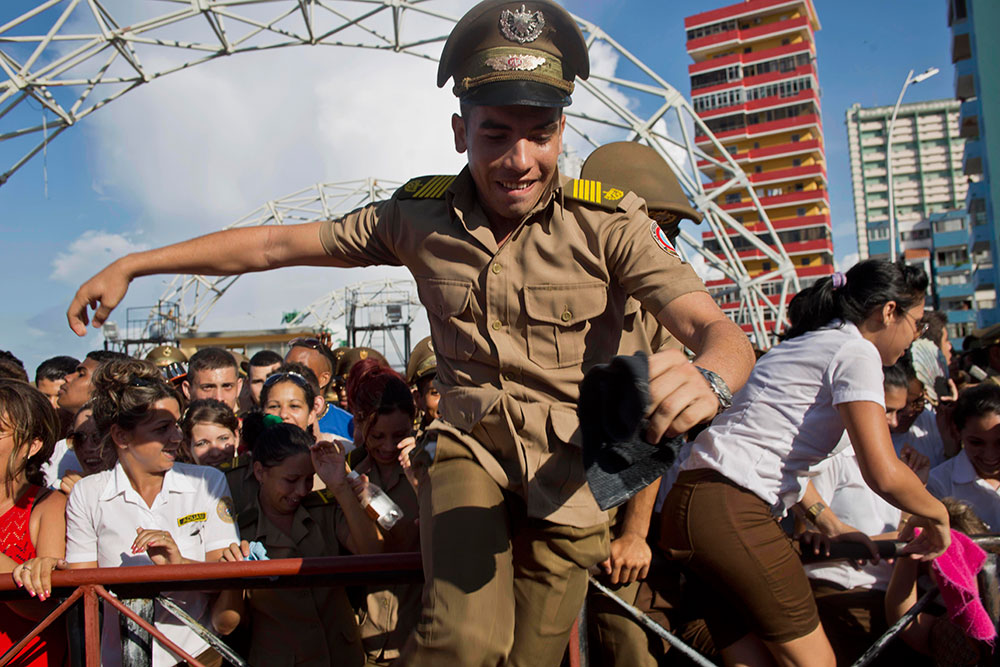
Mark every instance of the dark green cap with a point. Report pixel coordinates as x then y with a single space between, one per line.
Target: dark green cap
514 53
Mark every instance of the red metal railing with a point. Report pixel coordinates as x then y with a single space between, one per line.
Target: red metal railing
89 586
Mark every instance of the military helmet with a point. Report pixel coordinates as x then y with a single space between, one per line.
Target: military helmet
171 361
353 355
639 168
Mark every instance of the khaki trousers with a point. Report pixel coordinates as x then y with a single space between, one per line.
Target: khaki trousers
500 588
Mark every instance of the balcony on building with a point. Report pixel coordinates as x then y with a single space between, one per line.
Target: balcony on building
789 199
800 122
972 158
788 149
968 119
957 291
965 79
700 48
961 47
961 316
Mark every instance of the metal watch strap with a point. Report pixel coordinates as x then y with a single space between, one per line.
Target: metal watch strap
719 387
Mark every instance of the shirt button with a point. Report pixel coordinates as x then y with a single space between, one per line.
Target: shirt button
496 325
566 316
497 268
509 377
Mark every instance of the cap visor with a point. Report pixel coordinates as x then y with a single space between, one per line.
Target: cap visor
516 93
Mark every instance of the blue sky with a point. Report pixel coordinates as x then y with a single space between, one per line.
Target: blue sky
197 150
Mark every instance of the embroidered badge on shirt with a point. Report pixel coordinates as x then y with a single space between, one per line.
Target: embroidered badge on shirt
225 509
191 518
516 62
661 240
520 25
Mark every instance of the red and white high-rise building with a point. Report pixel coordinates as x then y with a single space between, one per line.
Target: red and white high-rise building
755 84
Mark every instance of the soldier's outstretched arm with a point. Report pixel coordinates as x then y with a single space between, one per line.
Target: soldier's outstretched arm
229 252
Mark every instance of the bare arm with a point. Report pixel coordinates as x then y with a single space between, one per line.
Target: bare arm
892 479
683 398
630 554
900 596
229 252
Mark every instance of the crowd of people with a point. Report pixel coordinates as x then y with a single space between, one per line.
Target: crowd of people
137 462
863 424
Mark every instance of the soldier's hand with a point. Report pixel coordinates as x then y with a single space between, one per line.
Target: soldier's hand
630 559
681 396
102 294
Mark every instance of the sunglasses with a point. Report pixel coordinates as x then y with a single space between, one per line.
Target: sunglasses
295 378
311 343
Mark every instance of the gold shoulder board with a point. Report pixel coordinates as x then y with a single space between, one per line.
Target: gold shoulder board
425 187
595 192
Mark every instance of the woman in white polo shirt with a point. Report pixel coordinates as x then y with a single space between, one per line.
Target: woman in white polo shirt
147 509
751 465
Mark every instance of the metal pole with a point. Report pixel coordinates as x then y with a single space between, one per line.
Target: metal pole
137 644
897 627
888 155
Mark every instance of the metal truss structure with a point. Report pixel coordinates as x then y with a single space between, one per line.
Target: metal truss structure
72 57
198 294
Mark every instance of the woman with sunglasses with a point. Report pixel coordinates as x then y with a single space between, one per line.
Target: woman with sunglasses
752 464
148 509
292 393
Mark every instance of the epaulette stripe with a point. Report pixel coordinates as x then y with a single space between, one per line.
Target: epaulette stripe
434 187
587 190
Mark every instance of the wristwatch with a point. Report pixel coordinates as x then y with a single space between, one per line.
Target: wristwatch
814 510
719 388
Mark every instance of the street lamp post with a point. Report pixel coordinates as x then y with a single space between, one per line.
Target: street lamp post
928 73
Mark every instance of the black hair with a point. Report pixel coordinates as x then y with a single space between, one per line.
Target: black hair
976 401
265 358
211 359
310 387
27 415
55 368
897 375
271 441
868 286
936 322
104 356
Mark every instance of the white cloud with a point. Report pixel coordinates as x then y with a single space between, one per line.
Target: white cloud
89 253
847 261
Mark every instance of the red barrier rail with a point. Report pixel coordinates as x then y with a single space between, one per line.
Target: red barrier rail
88 586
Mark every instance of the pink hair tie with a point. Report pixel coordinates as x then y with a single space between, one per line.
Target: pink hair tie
839 280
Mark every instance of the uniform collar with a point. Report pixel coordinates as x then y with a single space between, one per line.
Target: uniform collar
120 485
462 198
272 536
370 467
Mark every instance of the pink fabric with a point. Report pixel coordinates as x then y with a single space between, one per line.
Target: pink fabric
956 572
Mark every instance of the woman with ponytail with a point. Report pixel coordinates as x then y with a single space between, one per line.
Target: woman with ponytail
752 464
384 412
148 509
314 626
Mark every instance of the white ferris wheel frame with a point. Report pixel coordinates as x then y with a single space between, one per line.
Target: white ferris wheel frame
51 61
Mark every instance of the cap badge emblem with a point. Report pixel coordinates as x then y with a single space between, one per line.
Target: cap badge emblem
524 63
520 25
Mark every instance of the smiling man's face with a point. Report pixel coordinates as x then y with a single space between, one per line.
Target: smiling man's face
513 155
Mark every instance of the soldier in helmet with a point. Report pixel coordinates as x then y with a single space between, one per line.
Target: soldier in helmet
421 369
618 639
171 361
524 274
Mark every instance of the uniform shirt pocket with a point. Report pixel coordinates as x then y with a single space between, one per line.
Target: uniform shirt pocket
559 320
448 304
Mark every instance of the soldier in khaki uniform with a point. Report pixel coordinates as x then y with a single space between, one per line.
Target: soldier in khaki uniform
421 370
617 638
525 275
